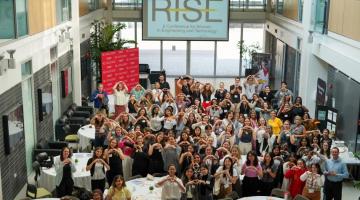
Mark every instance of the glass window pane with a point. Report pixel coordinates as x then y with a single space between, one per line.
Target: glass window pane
26 69
174 57
253 39
202 58
129 32
228 53
6 19
21 17
149 51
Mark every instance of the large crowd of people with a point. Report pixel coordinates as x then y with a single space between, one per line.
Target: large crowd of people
209 142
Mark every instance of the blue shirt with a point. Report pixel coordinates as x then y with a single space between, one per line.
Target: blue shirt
337 166
98 103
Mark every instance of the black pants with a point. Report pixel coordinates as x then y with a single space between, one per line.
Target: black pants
250 186
65 188
98 184
266 188
332 190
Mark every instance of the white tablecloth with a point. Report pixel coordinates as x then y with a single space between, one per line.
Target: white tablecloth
260 198
139 189
82 177
85 134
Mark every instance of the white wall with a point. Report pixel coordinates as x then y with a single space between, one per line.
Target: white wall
37 48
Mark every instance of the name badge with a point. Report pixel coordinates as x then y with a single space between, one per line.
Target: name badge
311 190
286 115
235 96
110 155
207 182
265 97
225 111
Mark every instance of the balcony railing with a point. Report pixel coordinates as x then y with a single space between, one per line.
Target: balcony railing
235 5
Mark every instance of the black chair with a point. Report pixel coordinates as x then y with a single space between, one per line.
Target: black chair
57 145
42 160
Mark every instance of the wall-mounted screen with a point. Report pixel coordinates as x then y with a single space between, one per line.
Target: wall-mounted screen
13 127
186 20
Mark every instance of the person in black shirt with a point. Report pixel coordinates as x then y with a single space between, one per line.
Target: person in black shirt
163 83
220 93
267 95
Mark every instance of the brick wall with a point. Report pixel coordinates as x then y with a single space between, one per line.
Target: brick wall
44 128
15 162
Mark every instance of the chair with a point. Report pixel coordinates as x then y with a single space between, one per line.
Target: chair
277 192
134 177
158 174
34 192
73 140
300 197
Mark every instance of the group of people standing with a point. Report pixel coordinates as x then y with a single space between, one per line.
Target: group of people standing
210 143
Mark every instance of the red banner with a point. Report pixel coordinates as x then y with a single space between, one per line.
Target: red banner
120 65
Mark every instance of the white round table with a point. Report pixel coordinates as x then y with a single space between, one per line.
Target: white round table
139 189
82 178
261 198
86 133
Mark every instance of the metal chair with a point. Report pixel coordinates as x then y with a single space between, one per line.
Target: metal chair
300 197
134 177
277 192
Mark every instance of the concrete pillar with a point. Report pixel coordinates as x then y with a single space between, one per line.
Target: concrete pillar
108 12
76 75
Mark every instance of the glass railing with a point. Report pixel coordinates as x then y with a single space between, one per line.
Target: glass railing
292 9
235 5
320 16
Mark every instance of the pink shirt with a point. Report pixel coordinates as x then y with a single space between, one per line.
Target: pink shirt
128 151
249 171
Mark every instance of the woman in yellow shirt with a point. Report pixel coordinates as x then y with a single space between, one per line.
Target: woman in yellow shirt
118 190
275 123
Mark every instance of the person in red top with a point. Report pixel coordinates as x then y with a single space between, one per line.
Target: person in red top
294 174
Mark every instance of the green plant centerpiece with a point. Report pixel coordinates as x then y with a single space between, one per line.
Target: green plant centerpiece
76 161
106 37
151 189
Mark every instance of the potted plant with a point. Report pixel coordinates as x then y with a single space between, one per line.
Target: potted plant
105 37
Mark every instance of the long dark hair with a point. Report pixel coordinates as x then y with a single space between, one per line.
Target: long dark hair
62 152
231 167
256 161
97 148
271 161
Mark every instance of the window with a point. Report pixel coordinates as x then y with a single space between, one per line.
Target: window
202 58
174 57
228 53
253 36
128 33
15 23
7 19
63 10
149 51
26 69
21 17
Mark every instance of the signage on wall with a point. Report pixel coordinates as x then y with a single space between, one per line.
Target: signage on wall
320 92
120 65
186 20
